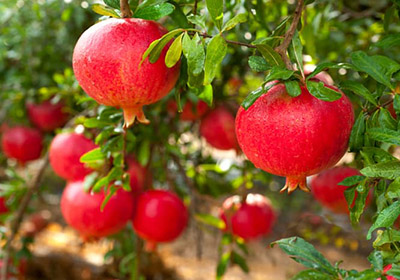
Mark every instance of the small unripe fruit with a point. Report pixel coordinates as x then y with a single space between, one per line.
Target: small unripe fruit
22 143
47 116
249 220
218 128
189 111
65 152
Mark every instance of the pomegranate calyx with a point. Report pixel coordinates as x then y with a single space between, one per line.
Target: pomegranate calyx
293 182
134 113
150 246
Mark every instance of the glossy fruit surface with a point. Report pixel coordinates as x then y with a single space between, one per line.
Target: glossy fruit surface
81 210
249 220
22 143
189 111
106 63
218 128
294 137
47 116
160 216
65 152
326 190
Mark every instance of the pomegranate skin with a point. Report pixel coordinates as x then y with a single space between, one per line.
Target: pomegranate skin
22 143
249 220
326 190
82 211
160 217
65 152
218 128
3 206
47 116
294 137
106 63
137 175
189 111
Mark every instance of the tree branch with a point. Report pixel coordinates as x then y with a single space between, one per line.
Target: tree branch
205 35
125 9
282 48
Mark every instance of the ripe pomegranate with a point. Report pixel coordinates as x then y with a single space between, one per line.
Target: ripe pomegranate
22 143
249 220
189 111
160 217
218 128
326 190
321 76
3 205
294 136
106 63
81 210
137 175
65 152
47 116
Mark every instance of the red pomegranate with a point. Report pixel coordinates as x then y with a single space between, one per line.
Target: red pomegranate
189 111
106 63
137 175
321 76
47 116
249 220
386 269
81 210
22 143
218 128
326 190
3 205
294 137
160 217
65 152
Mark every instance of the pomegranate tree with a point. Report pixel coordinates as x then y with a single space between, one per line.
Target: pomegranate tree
326 190
294 137
22 143
218 128
65 152
82 210
250 219
47 116
107 64
190 112
160 217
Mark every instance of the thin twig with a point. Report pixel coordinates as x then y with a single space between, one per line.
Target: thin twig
125 9
282 48
370 112
205 35
195 7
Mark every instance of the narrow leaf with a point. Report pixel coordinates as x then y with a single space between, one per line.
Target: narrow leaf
389 41
270 55
385 218
215 8
321 67
210 220
174 52
293 88
320 91
296 52
312 274
359 89
216 51
154 12
93 155
356 141
387 170
223 264
258 64
193 50
351 181
104 10
240 18
278 73
384 135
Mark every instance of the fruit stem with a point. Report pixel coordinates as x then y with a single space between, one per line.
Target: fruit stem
282 48
125 9
133 113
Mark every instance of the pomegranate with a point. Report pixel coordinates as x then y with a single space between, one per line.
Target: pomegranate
160 217
321 76
386 269
218 128
189 111
47 116
81 210
294 137
22 143
106 63
137 175
65 152
3 205
326 190
249 220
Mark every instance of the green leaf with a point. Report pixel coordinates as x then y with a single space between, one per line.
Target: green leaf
207 95
193 50
312 274
240 18
358 89
296 52
216 8
394 271
393 190
368 274
93 155
154 12
293 88
389 41
270 55
89 181
386 120
321 67
110 193
359 203
240 261
199 20
350 194
396 104
96 123
113 3
387 170
104 10
303 252
278 73
258 64
320 91
376 259
174 52
351 181
386 217
156 47
356 141
223 263
384 135
252 97
380 68
210 220
377 155
216 51
387 236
